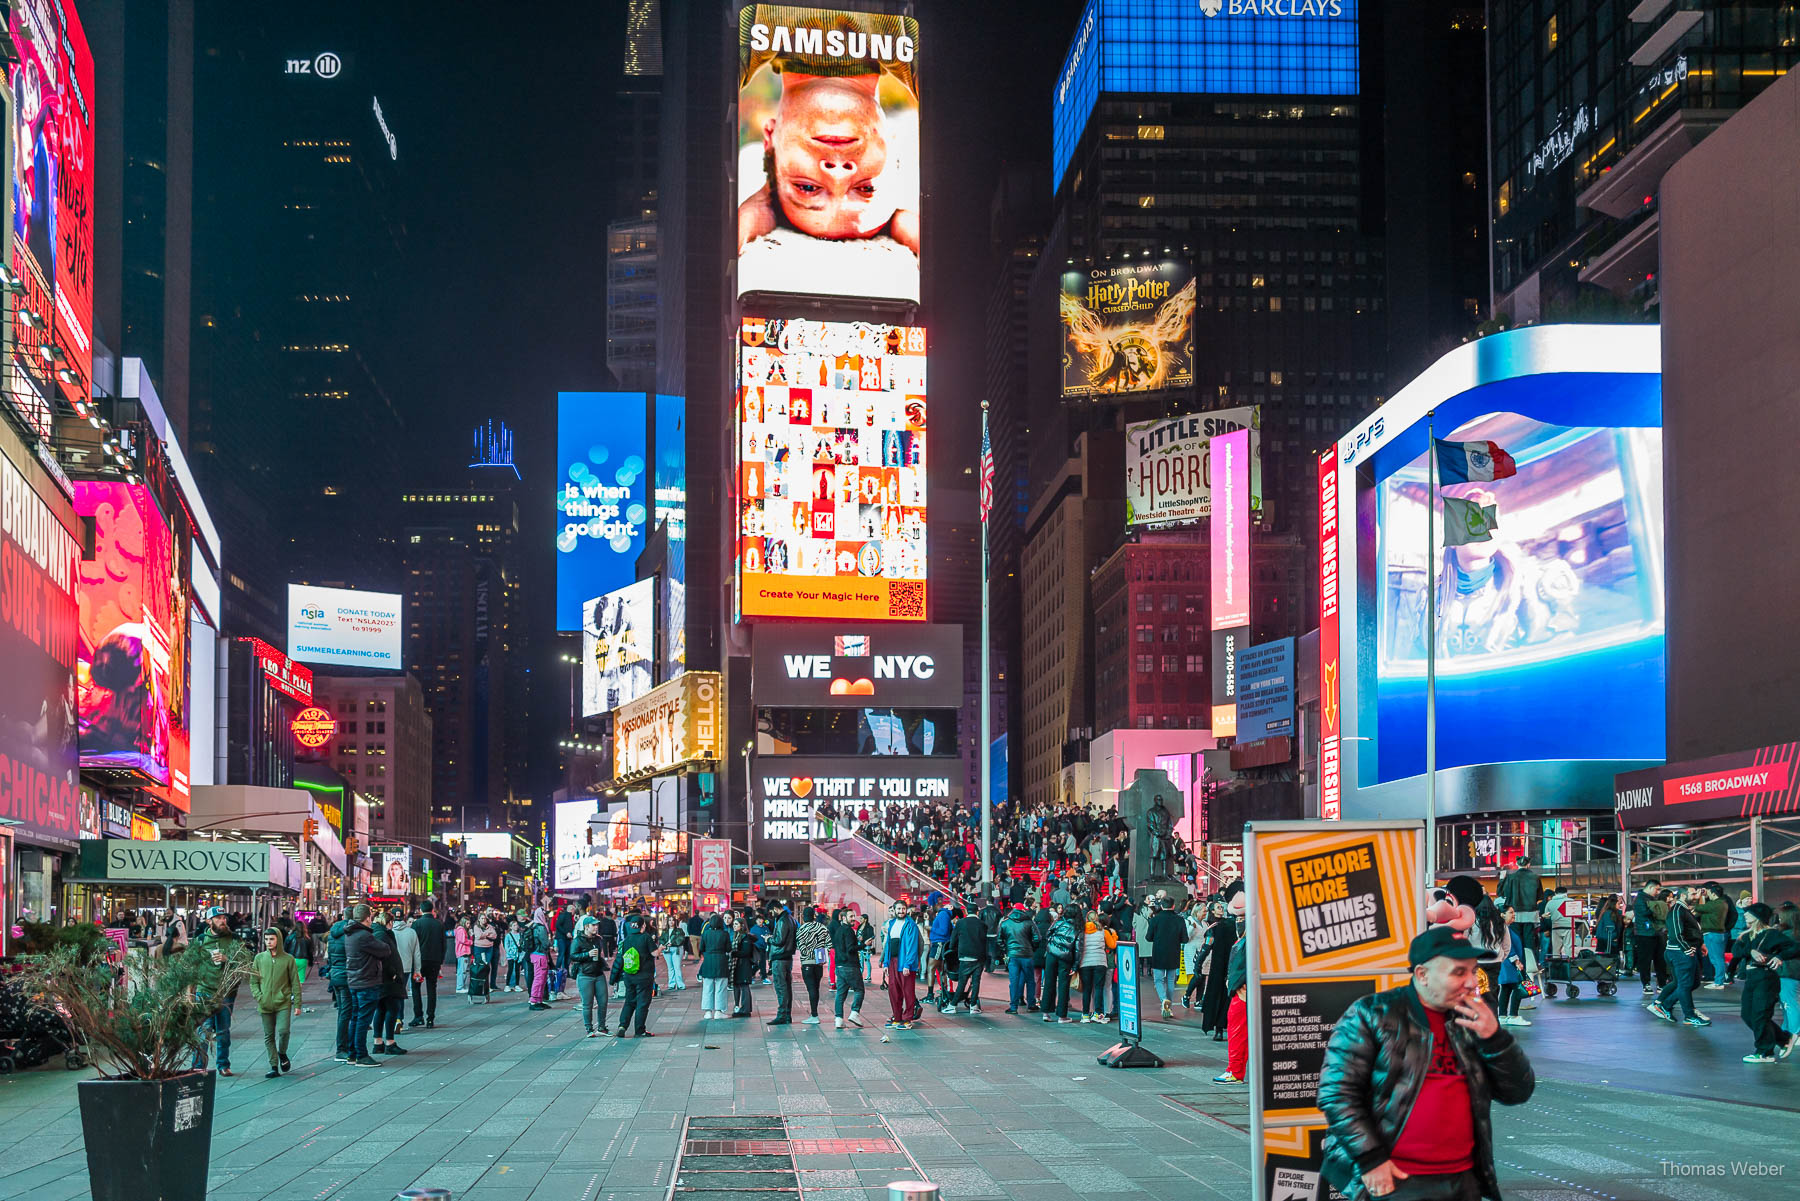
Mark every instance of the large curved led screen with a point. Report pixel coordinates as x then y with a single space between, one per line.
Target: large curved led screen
1549 634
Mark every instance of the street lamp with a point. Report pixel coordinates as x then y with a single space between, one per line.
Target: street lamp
749 823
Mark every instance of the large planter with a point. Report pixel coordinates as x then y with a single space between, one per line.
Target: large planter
148 1140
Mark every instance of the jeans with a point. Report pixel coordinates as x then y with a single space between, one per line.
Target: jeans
672 957
425 995
1715 953
365 1002
512 973
1164 980
1790 1004
849 984
811 975
782 972
741 999
562 964
346 1006
462 973
637 1001
968 983
712 994
1019 984
1056 985
1093 989
1648 950
1684 973
275 1035
219 1026
389 1018
592 990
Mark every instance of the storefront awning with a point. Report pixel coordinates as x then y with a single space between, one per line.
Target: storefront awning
246 865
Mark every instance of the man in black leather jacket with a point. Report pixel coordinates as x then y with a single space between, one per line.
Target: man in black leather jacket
1400 1069
783 937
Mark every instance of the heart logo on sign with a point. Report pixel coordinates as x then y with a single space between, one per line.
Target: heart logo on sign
801 785
843 687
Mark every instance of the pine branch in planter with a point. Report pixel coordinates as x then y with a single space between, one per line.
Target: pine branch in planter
142 1021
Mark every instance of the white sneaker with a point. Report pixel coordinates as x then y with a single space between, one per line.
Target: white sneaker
809 1021
839 1022
947 1009
1713 985
856 1017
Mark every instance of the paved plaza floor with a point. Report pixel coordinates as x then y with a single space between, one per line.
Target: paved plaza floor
502 1104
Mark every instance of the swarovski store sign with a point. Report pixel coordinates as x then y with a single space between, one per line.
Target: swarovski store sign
831 666
787 792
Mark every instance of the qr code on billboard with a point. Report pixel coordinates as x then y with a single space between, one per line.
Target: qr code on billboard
906 598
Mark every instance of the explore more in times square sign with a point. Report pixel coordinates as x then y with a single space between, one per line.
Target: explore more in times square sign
831 470
1187 47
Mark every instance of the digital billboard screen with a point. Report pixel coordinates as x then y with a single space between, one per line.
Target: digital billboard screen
1168 465
831 470
40 638
52 80
828 153
344 626
831 666
1222 47
127 596
1560 613
602 496
1230 536
1127 327
618 647
787 791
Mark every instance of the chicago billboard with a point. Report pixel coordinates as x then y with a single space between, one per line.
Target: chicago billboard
828 153
125 667
1168 465
602 497
344 626
1127 327
618 647
52 80
830 666
831 470
40 630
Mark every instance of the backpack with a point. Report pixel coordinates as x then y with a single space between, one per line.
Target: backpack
1061 940
629 962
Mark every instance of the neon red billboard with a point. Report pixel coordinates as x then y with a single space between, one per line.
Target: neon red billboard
1230 573
52 85
1329 715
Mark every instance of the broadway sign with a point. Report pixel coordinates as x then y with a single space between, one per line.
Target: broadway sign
1760 783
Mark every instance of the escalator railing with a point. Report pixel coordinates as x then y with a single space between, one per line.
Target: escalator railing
854 871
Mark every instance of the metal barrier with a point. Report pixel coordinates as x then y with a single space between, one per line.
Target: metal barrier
912 1190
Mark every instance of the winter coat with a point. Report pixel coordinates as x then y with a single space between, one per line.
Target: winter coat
363 956
588 954
1375 1067
275 981
1712 913
393 976
910 947
1510 970
643 943
1017 934
1095 943
209 974
334 952
969 939
1523 890
782 935
465 941
430 933
1166 934
715 950
743 959
406 941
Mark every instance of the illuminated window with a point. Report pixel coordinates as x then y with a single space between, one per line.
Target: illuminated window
1550 34
1146 202
1151 133
1503 202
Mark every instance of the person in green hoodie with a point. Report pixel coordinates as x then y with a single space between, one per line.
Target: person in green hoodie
275 983
216 952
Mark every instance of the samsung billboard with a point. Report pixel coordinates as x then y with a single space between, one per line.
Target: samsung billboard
1220 47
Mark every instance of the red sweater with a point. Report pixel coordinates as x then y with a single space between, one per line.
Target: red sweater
1439 1137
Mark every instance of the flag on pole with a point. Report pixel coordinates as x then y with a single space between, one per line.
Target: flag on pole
986 471
1472 463
1467 521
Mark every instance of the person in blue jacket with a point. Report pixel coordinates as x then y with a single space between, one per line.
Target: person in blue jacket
900 957
941 923
1512 972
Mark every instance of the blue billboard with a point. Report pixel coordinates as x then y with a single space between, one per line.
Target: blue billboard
1266 691
1219 47
602 494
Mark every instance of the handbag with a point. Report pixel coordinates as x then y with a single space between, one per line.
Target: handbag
1531 992
618 991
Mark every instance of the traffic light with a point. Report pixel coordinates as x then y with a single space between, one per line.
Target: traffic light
310 828
351 846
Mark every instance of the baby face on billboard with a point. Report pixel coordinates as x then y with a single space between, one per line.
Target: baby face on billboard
825 152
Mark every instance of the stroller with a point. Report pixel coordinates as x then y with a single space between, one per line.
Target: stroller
30 1033
1584 967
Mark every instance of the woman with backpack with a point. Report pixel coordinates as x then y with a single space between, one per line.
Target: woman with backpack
1062 945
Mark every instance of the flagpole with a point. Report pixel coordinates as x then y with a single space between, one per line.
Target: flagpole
987 691
1431 590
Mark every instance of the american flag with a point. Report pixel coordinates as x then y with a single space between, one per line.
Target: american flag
987 472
